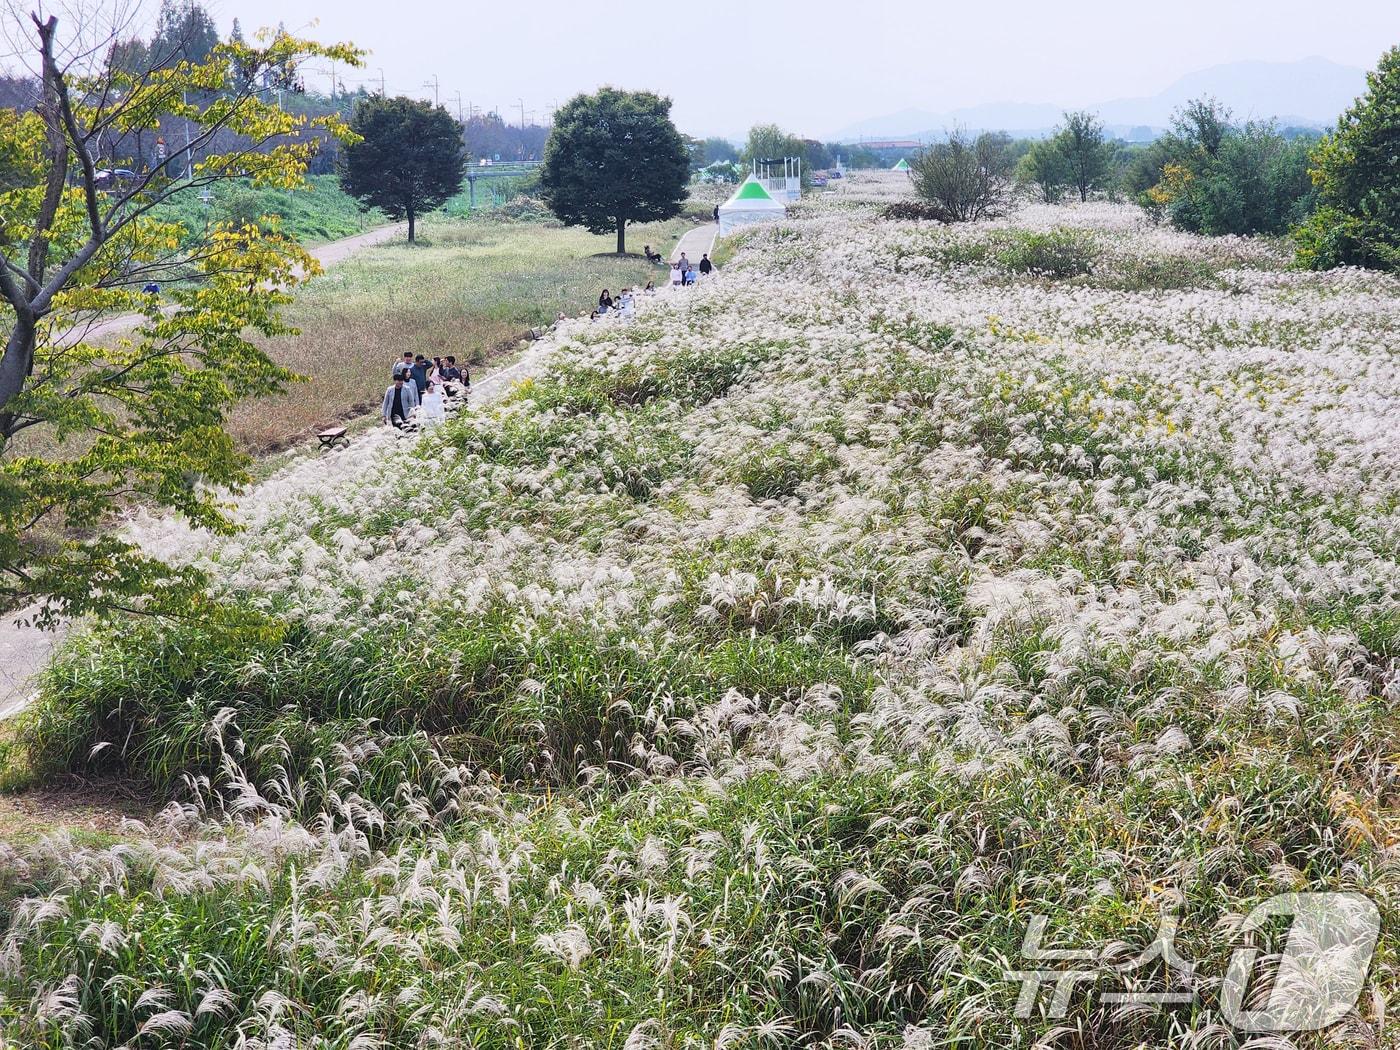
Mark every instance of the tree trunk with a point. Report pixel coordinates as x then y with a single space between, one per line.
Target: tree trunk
410 224
621 236
17 361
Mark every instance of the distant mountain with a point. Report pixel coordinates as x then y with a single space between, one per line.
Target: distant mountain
1309 93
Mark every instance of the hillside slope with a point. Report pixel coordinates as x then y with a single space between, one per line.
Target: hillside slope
756 673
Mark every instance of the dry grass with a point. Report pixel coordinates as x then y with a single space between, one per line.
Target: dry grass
469 288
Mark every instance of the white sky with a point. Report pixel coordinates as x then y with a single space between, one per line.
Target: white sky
818 65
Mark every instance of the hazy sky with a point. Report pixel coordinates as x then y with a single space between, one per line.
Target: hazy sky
819 65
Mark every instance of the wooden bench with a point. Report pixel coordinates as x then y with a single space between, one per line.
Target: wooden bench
333 436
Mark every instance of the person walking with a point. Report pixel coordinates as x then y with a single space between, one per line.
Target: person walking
705 265
685 263
404 365
399 401
716 213
419 374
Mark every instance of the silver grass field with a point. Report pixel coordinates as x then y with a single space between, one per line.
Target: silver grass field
757 671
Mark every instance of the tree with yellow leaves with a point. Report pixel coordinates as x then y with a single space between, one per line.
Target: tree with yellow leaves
92 422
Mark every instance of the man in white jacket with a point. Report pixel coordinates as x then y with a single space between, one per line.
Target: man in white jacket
399 401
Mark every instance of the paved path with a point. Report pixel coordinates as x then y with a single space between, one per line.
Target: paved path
25 651
699 241
327 255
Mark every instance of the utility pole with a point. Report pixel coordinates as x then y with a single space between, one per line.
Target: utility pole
522 113
457 98
435 85
382 92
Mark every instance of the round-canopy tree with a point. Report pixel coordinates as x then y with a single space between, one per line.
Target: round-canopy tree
409 160
614 157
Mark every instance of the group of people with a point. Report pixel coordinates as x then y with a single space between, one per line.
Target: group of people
683 274
625 305
421 388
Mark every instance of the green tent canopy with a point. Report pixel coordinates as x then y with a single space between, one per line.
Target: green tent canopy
751 203
903 165
752 190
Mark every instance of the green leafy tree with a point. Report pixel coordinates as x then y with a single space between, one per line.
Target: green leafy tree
1045 167
408 159
185 32
1215 177
1086 155
1356 170
1203 124
770 142
717 149
614 157
91 421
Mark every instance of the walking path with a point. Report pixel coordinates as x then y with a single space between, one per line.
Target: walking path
25 651
699 241
327 255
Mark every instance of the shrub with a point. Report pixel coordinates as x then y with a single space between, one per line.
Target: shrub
1217 178
905 210
964 180
1133 273
523 208
1060 253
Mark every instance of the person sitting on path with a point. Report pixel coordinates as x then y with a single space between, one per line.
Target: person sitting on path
605 301
705 265
690 277
650 289
399 401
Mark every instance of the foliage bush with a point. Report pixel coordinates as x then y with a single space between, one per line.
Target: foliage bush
1137 273
901 211
1214 177
1358 181
1060 253
962 179
523 208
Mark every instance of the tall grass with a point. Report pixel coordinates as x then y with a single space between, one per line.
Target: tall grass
757 672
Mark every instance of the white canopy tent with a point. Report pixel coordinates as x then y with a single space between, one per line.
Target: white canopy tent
751 203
